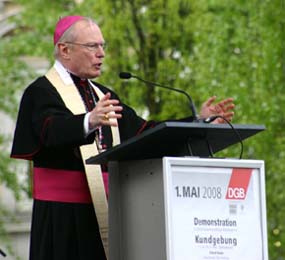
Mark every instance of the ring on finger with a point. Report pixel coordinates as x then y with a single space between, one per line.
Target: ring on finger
106 116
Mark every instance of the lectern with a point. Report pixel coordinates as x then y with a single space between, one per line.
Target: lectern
169 201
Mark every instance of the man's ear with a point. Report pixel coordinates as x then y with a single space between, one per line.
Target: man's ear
63 50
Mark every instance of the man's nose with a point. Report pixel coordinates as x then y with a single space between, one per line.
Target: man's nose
100 52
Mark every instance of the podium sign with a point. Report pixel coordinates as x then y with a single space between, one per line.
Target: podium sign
215 209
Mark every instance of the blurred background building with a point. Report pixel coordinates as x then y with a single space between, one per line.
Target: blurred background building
18 212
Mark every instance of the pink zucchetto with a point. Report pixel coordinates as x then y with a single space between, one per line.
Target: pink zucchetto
62 25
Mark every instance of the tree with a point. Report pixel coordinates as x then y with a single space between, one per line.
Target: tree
203 47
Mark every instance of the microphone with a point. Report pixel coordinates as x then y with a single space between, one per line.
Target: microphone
125 75
128 75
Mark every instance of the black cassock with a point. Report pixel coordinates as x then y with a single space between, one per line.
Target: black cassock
49 134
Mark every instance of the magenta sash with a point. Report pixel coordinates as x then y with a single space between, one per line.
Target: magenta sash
63 185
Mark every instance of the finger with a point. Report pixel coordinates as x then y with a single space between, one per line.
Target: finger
218 108
222 107
110 116
111 119
108 102
228 116
210 101
110 113
225 118
231 113
229 107
106 96
106 106
111 110
226 101
109 122
100 110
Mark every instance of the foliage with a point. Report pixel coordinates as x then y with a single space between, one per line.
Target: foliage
216 47
12 77
9 83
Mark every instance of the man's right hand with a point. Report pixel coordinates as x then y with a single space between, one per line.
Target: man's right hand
105 110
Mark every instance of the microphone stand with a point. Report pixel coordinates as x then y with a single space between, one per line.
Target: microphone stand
192 106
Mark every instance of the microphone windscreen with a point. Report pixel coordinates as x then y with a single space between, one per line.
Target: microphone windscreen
125 75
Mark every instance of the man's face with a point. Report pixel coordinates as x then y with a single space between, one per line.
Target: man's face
85 53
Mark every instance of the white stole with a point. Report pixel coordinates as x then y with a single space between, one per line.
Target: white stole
74 103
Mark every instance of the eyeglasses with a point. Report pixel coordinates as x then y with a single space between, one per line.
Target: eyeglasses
90 46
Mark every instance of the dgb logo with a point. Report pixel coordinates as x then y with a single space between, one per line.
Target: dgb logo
236 193
238 184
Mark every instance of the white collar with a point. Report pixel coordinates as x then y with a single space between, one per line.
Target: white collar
64 75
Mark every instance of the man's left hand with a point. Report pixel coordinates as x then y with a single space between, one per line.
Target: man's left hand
223 108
